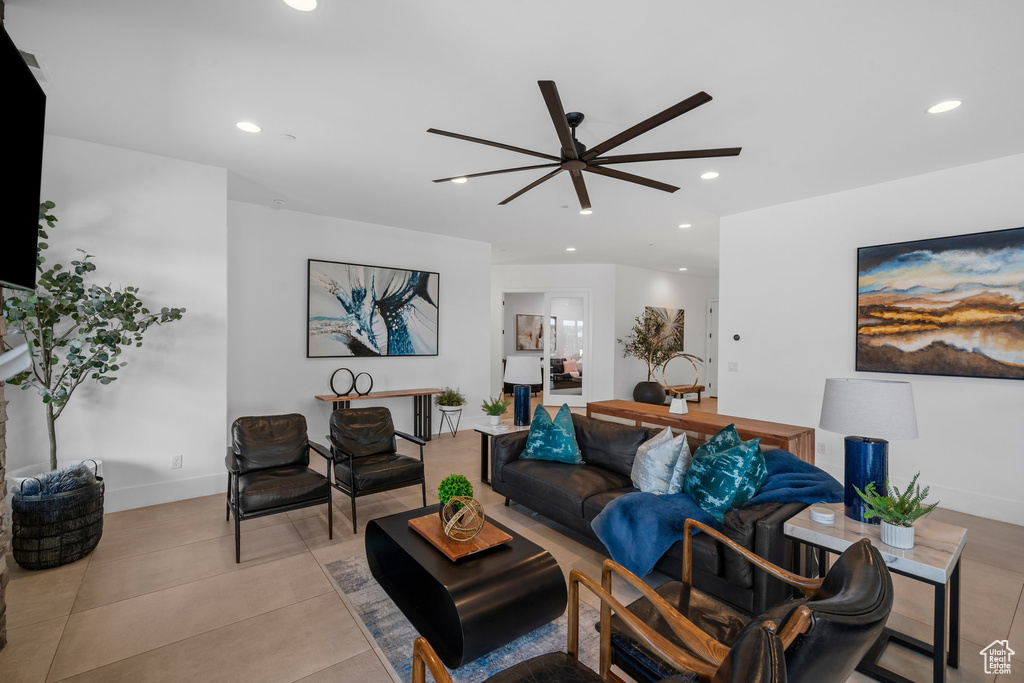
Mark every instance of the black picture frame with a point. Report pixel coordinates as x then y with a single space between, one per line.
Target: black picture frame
360 310
949 306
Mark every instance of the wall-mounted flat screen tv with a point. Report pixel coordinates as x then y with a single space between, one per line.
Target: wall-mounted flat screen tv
943 306
21 163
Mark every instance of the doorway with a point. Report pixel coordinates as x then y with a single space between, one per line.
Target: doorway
567 348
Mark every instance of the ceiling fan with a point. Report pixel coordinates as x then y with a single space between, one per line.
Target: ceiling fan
575 158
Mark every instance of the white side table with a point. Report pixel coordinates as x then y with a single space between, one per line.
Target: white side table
487 433
934 559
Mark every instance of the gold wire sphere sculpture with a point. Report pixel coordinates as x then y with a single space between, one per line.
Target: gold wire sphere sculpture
462 518
682 388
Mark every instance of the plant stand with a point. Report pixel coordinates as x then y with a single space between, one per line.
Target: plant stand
446 417
52 530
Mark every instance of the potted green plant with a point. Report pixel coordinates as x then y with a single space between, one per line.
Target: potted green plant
451 486
494 408
897 511
450 399
646 341
76 332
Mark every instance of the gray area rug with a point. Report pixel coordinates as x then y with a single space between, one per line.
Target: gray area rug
395 635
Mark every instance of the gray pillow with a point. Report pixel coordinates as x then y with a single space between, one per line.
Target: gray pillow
655 460
679 470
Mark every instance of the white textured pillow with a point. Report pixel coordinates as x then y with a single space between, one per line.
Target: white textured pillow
655 461
679 470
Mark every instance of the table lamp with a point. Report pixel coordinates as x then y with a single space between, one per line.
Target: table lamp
522 372
883 409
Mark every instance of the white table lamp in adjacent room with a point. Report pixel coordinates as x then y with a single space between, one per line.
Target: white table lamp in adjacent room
522 372
880 411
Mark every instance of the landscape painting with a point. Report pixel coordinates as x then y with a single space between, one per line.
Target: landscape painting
945 306
358 310
673 319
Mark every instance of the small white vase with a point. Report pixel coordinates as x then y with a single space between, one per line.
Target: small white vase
897 536
495 420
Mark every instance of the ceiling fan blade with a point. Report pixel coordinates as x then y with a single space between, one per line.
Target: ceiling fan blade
672 112
481 141
629 177
532 185
504 170
581 189
557 112
664 156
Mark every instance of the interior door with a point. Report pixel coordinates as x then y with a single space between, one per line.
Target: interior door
711 370
567 348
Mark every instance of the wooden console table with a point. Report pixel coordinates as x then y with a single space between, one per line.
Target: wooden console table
420 405
797 440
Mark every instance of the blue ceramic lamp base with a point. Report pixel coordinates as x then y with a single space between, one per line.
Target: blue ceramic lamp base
521 407
867 460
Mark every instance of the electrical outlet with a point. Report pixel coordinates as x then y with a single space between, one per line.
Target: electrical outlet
175 462
821 448
734 366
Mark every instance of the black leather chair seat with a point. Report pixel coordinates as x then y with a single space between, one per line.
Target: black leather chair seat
265 489
554 667
382 470
563 485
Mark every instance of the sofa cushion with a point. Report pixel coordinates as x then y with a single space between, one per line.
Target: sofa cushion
655 462
611 445
266 489
561 484
720 481
552 439
592 506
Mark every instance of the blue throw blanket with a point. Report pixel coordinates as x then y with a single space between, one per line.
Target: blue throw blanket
638 528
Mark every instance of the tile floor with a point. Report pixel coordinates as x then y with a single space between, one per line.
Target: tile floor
161 598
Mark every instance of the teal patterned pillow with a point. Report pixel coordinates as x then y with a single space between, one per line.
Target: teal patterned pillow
552 440
727 438
720 481
655 460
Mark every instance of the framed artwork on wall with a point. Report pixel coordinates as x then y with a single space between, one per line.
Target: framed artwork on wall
943 306
529 332
360 310
673 319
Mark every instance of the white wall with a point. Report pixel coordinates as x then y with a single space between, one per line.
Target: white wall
519 304
159 224
597 280
268 372
788 288
636 288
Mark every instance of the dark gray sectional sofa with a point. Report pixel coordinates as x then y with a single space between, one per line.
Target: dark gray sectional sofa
573 495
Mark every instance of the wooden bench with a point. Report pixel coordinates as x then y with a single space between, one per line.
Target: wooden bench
681 389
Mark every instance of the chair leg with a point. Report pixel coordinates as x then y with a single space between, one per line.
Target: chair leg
354 515
506 501
227 511
238 540
330 515
424 487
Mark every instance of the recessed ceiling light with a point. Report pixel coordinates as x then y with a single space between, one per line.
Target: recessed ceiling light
682 269
301 5
586 212
685 225
570 248
460 180
248 127
709 175
942 107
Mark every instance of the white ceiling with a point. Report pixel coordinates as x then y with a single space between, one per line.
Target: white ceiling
822 96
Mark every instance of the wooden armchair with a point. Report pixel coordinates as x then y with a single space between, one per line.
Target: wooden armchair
825 633
756 658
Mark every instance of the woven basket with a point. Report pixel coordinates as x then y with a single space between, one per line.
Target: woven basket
52 530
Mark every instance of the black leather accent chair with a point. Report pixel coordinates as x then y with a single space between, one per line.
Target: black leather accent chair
825 633
364 455
756 657
268 470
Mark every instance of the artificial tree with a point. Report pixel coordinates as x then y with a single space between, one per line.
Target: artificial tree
646 341
77 330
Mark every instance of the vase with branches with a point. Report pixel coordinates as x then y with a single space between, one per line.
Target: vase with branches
77 331
646 341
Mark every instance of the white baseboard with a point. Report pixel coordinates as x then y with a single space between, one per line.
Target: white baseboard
131 497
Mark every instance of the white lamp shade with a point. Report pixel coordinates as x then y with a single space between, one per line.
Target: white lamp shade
522 370
876 409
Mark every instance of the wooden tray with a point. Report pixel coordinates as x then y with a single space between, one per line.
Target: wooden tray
429 527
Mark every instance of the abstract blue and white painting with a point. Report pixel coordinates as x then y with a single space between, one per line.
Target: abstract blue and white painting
945 306
358 310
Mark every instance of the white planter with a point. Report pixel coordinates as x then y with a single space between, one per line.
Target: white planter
449 409
494 420
15 477
897 536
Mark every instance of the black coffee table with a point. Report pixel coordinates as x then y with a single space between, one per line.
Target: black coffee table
469 607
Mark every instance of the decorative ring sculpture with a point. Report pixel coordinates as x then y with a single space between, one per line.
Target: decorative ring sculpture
462 518
355 380
351 386
696 375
